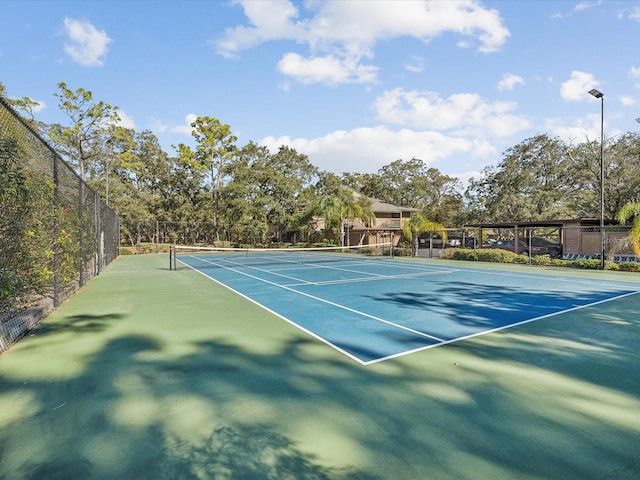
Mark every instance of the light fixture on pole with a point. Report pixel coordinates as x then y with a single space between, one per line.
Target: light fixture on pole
600 95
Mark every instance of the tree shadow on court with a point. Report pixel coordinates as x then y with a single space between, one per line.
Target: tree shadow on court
86 323
121 419
486 306
556 398
131 414
600 335
251 452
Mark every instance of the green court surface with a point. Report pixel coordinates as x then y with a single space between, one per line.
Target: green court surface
155 374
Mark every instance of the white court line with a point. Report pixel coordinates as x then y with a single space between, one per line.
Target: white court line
369 279
312 266
558 277
328 302
282 317
244 265
497 329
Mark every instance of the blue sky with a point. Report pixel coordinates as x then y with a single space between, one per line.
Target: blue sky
355 85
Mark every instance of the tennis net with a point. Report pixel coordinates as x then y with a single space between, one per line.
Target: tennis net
221 256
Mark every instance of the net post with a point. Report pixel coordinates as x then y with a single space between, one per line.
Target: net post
391 254
172 256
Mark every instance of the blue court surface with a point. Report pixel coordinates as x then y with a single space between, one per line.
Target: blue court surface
373 309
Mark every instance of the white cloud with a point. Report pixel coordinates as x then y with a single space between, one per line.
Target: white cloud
627 100
274 20
581 129
367 150
582 6
509 81
415 64
37 107
185 129
336 48
40 105
464 113
634 73
465 177
125 120
158 126
578 86
87 45
329 70
635 14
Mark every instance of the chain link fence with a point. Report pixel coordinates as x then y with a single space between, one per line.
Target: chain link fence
156 236
569 240
55 232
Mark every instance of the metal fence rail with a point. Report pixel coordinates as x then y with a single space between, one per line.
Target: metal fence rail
55 232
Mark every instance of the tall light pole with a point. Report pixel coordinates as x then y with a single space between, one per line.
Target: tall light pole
600 95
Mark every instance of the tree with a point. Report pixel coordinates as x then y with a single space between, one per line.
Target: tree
269 193
419 224
214 151
628 212
338 204
25 105
535 180
288 188
244 196
622 179
83 141
412 184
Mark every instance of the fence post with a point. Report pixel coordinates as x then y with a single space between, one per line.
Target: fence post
56 244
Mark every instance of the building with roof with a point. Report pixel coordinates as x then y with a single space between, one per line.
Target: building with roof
386 226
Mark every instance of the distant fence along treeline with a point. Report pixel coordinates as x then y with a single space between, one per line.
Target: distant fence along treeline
55 232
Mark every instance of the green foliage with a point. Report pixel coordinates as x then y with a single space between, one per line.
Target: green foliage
585 264
81 143
494 255
497 255
533 181
267 195
627 212
402 252
27 227
337 205
214 151
460 254
412 184
629 267
419 224
258 197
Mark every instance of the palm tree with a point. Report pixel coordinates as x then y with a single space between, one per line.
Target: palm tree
419 224
340 205
629 211
358 208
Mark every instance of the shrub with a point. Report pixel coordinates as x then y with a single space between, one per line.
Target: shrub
497 255
629 266
542 260
401 252
587 264
27 227
459 254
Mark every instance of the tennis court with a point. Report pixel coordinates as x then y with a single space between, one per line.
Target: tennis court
376 308
148 373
